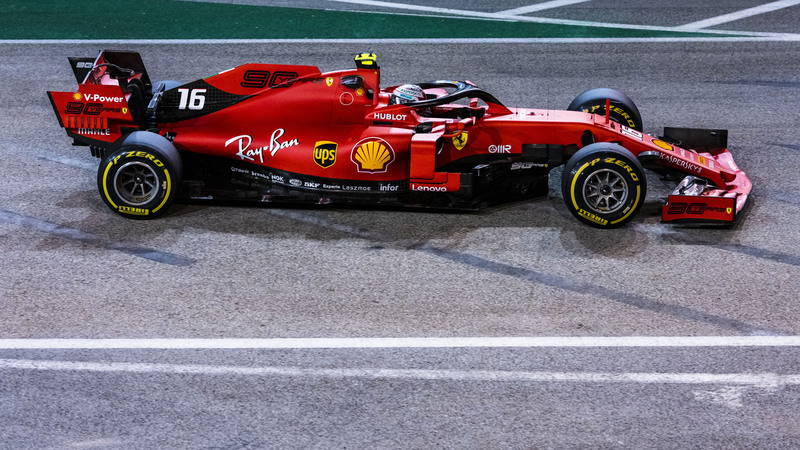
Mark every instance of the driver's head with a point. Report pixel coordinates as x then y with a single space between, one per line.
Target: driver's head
406 93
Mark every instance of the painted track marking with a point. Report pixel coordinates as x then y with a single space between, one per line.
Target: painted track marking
765 380
536 7
408 342
544 20
738 15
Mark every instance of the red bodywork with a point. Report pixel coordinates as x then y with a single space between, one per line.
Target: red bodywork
339 126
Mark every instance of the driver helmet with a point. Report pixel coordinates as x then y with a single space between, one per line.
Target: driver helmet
406 93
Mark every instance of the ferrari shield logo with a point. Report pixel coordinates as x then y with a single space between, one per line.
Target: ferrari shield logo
461 140
325 153
124 110
329 81
729 210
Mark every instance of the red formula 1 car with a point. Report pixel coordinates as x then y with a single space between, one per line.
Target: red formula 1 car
291 133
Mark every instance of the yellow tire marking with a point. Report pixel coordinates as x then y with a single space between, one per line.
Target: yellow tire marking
105 186
169 188
572 188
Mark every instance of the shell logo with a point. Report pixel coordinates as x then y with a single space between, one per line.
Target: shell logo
662 144
76 96
372 155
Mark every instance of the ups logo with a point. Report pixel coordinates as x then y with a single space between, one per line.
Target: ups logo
325 153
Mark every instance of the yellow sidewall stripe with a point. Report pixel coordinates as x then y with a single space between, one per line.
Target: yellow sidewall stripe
105 186
572 188
166 196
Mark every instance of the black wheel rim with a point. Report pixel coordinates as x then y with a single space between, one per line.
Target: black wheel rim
136 183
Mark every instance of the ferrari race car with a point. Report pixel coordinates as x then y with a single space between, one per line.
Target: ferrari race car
289 133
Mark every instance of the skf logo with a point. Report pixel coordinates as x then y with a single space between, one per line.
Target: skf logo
325 153
460 141
372 155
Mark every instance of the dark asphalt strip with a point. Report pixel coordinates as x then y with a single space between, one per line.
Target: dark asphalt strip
593 289
77 235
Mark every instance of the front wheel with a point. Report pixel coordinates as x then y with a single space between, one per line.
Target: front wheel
621 107
140 178
603 185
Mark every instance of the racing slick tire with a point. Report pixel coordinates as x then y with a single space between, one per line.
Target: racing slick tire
140 175
623 110
603 185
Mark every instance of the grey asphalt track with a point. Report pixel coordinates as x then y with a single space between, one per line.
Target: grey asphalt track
72 269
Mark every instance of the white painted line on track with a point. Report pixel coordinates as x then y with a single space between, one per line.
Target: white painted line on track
760 37
544 20
766 380
738 15
536 7
421 342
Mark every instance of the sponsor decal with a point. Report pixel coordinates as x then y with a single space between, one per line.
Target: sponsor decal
662 144
701 160
245 152
283 79
631 133
426 188
346 99
134 211
526 165
295 182
94 131
99 98
255 79
325 153
76 96
675 161
593 217
372 155
359 92
624 165
91 109
499 149
695 208
381 116
389 187
258 79
460 141
329 81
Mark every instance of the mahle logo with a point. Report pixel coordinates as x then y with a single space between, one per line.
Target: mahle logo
325 153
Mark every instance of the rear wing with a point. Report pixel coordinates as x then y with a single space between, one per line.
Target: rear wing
110 100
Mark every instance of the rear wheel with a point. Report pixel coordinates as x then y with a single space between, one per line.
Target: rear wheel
140 176
603 185
622 109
